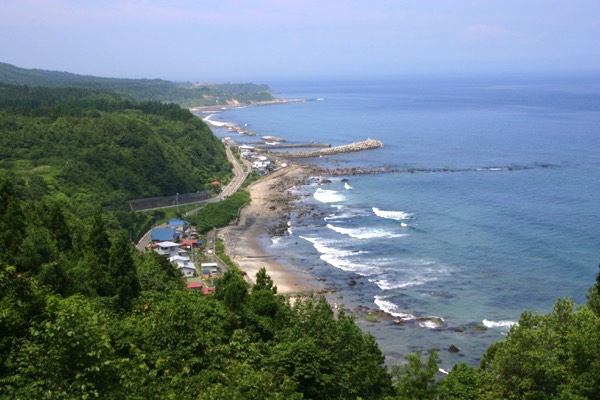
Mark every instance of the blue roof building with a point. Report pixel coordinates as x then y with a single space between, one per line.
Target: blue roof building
177 224
165 234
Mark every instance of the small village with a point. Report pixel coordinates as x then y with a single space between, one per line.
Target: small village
179 243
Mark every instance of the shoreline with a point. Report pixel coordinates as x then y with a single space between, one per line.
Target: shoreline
267 214
273 205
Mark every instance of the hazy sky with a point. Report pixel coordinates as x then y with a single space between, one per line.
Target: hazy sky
252 40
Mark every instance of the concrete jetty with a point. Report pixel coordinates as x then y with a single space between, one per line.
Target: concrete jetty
347 148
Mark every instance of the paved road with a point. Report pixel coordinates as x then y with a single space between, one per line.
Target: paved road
241 173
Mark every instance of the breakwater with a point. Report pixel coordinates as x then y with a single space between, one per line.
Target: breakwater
289 146
347 148
316 170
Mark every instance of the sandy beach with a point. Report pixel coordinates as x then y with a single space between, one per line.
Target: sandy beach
266 215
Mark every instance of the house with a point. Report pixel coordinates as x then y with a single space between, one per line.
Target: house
194 283
189 244
207 290
164 235
167 248
187 270
178 224
212 267
180 260
185 266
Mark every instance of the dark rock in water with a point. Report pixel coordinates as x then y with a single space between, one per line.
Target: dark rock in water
453 349
459 329
345 180
325 181
352 282
399 321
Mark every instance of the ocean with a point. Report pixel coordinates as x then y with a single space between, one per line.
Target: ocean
494 208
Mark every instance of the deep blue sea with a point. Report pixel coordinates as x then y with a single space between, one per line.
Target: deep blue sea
501 213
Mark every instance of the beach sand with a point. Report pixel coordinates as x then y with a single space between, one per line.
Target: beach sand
262 219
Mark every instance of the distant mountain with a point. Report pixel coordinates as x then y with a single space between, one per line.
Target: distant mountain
183 93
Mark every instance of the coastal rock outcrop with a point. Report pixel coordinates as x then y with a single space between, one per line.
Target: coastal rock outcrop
453 349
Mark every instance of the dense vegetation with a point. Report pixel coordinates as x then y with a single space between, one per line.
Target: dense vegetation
184 94
216 215
96 147
83 315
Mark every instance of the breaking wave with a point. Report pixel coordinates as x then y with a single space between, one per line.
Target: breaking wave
395 215
365 233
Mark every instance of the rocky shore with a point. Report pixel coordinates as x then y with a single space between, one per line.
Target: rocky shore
267 216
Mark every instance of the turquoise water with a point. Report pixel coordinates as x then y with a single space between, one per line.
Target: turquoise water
512 224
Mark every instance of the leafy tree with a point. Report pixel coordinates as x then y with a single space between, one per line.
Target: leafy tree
123 272
156 273
172 343
328 357
51 216
96 258
21 301
264 282
12 221
551 356
66 355
416 381
37 248
232 289
464 382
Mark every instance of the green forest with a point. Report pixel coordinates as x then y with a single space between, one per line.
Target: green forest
85 315
96 147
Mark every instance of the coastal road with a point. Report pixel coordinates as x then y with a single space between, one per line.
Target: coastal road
241 170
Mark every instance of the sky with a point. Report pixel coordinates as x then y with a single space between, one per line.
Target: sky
259 41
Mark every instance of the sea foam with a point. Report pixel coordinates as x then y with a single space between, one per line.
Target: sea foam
328 196
388 285
340 258
498 324
395 215
391 308
365 233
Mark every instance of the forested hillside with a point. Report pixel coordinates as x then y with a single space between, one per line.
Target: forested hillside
182 93
97 147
